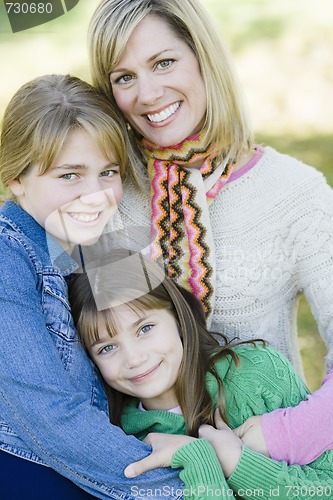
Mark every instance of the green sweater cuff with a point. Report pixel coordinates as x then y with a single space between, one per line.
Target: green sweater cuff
256 474
202 474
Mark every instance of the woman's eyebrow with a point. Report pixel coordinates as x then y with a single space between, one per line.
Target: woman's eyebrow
150 59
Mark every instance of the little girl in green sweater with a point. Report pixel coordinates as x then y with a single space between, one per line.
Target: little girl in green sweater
165 373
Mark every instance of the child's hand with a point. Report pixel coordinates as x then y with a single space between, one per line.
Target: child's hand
252 436
164 447
227 446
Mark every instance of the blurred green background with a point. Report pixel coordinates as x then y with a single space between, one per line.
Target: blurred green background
283 52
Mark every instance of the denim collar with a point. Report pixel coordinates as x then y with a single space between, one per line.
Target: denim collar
19 220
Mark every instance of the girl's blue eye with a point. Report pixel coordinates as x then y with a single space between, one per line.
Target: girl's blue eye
109 173
106 349
146 329
68 177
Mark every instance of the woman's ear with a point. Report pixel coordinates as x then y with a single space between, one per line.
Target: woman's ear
16 187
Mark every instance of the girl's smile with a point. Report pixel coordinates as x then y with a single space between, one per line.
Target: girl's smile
158 85
84 217
143 377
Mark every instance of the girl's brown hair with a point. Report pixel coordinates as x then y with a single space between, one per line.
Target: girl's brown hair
137 281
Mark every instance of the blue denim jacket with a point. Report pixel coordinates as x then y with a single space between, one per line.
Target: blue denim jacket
53 409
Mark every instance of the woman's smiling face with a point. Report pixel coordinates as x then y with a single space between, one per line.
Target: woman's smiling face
158 85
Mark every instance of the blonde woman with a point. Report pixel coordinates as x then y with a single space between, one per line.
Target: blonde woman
243 227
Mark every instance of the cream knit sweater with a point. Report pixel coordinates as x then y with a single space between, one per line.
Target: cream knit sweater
273 231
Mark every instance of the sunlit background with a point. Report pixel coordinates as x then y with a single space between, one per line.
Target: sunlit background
283 51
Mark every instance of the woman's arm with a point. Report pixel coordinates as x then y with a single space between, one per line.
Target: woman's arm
312 240
38 400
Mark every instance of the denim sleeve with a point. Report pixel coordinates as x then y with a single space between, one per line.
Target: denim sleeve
53 418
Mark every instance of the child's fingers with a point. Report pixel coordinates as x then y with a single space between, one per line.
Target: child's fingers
246 426
206 431
240 431
219 422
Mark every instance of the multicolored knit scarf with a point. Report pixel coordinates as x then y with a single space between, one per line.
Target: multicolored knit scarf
181 232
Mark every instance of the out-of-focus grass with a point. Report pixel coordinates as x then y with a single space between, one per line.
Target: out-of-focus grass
59 46
314 149
313 349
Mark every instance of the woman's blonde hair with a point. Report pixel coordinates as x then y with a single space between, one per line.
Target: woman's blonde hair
227 123
40 115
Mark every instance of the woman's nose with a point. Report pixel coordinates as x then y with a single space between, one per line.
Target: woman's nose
150 91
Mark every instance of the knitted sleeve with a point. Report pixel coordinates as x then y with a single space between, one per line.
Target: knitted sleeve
290 433
312 236
257 475
202 472
265 381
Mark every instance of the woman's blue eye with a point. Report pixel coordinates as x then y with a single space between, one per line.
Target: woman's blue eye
124 79
166 63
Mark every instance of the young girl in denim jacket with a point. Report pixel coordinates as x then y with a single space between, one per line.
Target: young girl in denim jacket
167 374
63 154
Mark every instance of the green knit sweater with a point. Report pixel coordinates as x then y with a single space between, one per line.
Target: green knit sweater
264 381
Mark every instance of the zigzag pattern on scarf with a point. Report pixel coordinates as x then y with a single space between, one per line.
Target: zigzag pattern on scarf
179 231
199 263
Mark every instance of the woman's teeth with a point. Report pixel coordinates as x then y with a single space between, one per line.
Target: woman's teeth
163 115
